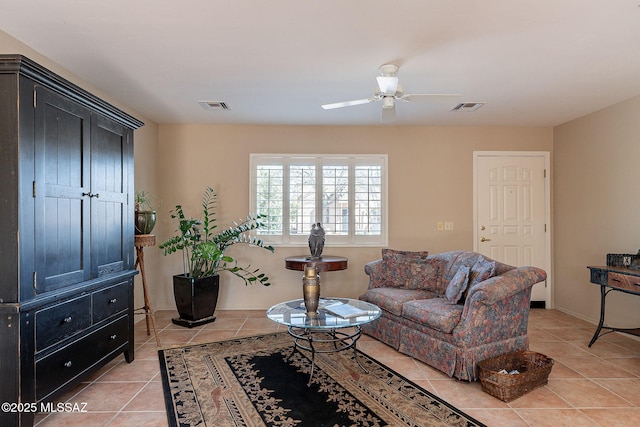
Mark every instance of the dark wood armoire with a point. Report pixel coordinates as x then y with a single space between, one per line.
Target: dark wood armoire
66 236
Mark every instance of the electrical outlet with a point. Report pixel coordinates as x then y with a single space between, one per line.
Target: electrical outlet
440 226
448 226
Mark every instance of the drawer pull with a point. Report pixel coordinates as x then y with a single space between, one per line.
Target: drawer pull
615 280
67 319
113 300
68 364
113 337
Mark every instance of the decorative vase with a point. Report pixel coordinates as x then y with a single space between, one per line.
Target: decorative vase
311 289
196 299
145 221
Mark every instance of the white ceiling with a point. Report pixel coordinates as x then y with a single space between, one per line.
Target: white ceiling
535 62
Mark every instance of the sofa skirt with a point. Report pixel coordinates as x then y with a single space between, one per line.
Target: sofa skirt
457 362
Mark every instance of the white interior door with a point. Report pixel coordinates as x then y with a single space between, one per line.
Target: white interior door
511 211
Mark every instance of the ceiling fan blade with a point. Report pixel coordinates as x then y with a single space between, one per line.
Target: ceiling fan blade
388 85
349 103
430 97
388 114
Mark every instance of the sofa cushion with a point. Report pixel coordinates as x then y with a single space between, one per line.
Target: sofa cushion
457 285
436 313
398 264
427 274
391 299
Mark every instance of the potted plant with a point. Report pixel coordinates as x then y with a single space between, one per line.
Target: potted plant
203 256
145 215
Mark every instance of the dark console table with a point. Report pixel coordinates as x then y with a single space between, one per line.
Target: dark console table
614 279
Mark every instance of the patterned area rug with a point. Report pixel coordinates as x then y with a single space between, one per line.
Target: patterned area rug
260 381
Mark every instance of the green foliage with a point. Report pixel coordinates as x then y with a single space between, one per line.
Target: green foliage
144 201
203 250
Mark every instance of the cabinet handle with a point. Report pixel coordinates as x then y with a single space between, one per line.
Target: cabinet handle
68 364
112 337
113 300
90 194
67 319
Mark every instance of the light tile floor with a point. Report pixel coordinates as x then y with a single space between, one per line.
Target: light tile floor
598 386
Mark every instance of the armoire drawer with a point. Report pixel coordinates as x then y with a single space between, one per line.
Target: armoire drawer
62 320
63 365
109 301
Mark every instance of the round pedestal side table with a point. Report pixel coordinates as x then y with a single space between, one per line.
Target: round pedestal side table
142 241
323 263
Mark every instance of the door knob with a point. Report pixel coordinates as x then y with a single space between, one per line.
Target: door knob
484 239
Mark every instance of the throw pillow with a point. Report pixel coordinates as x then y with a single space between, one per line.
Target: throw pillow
427 274
397 265
457 285
481 271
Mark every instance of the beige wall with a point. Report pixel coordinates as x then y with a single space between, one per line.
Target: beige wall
597 208
146 138
430 180
594 185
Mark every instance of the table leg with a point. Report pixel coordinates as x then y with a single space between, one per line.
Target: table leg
303 339
603 297
313 358
148 311
355 350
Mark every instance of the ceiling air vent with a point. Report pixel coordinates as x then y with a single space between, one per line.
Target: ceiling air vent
467 106
214 105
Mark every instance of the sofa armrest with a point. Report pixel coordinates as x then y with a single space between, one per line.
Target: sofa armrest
504 287
376 273
498 308
507 284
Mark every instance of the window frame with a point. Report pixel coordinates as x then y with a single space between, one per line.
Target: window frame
319 160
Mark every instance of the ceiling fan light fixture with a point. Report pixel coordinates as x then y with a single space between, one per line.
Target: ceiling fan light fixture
388 70
388 84
388 102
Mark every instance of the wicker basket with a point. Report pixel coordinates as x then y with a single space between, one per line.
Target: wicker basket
534 371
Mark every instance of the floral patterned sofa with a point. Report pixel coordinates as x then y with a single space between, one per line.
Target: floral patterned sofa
450 310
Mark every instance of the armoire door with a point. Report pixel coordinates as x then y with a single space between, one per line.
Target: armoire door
60 189
111 226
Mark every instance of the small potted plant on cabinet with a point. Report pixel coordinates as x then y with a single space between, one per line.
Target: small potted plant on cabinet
203 257
145 215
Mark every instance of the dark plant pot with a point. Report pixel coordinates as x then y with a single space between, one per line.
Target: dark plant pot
196 299
145 221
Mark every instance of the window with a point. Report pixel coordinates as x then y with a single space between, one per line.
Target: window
347 194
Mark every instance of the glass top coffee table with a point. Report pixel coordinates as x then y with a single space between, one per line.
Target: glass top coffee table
336 327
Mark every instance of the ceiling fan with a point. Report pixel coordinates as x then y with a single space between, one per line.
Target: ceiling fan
389 91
